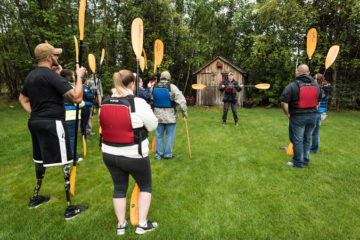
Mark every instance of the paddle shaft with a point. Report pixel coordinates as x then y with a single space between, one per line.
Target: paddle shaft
137 76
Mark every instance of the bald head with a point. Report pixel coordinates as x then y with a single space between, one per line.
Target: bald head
302 69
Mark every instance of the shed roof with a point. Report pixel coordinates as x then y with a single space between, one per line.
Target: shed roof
224 60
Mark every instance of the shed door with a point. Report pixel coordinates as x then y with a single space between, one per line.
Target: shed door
209 93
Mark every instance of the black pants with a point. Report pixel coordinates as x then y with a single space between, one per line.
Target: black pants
120 167
85 115
226 109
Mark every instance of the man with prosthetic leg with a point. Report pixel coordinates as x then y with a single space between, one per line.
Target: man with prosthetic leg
43 96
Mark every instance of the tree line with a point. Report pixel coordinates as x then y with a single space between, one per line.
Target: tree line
264 37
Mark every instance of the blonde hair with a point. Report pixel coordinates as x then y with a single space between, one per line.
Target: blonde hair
122 79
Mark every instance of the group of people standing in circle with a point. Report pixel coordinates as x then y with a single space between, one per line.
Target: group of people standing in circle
125 120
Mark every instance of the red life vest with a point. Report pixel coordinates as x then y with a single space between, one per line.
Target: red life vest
116 124
308 94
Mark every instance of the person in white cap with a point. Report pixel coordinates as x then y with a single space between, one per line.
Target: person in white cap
230 87
165 96
42 96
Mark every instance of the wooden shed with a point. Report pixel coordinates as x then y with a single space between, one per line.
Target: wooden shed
211 75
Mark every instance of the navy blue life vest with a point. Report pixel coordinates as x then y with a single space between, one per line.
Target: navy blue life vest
116 124
161 95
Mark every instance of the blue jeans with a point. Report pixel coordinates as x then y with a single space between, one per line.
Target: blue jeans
315 136
71 129
169 140
301 128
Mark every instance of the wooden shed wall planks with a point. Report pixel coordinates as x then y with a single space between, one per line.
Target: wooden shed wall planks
211 76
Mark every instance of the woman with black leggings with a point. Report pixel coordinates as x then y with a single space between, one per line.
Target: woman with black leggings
125 121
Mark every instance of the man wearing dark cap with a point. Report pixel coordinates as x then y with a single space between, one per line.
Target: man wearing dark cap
165 96
230 87
42 96
300 101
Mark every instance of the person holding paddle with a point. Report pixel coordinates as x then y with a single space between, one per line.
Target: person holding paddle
230 87
165 96
300 100
325 92
125 121
42 96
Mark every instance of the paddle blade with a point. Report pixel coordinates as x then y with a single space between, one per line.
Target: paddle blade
137 36
92 62
262 86
158 52
145 59
198 86
289 150
331 56
142 63
46 41
72 181
134 207
153 144
76 49
311 42
102 56
84 145
82 18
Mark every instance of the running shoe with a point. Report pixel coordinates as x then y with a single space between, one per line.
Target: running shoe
120 229
37 201
73 210
143 229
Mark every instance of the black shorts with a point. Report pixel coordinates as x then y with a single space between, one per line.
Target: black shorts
120 167
51 142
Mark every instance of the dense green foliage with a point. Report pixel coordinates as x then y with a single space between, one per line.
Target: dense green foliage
263 37
236 185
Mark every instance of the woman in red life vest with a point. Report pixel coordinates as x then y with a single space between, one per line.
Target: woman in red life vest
125 121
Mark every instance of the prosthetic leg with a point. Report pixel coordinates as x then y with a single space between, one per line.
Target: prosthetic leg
36 200
71 211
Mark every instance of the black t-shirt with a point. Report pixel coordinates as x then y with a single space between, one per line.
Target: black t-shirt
290 95
45 90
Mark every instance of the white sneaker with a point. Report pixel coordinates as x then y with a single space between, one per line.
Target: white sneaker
143 229
120 229
79 160
290 164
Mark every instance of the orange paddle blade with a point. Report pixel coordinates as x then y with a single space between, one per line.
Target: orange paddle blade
82 18
84 145
158 52
76 49
311 42
187 134
289 150
142 63
198 86
145 59
137 36
153 144
72 181
134 207
331 56
102 56
92 62
262 86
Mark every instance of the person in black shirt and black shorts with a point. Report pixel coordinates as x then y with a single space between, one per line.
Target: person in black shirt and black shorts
42 96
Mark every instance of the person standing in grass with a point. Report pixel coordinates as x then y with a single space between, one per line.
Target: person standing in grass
125 121
94 83
70 110
42 96
325 92
165 96
230 87
88 97
299 101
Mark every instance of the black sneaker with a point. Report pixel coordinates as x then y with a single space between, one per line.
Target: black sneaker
120 229
74 210
173 156
149 227
36 201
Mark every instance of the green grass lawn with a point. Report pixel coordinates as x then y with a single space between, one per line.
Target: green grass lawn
236 185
